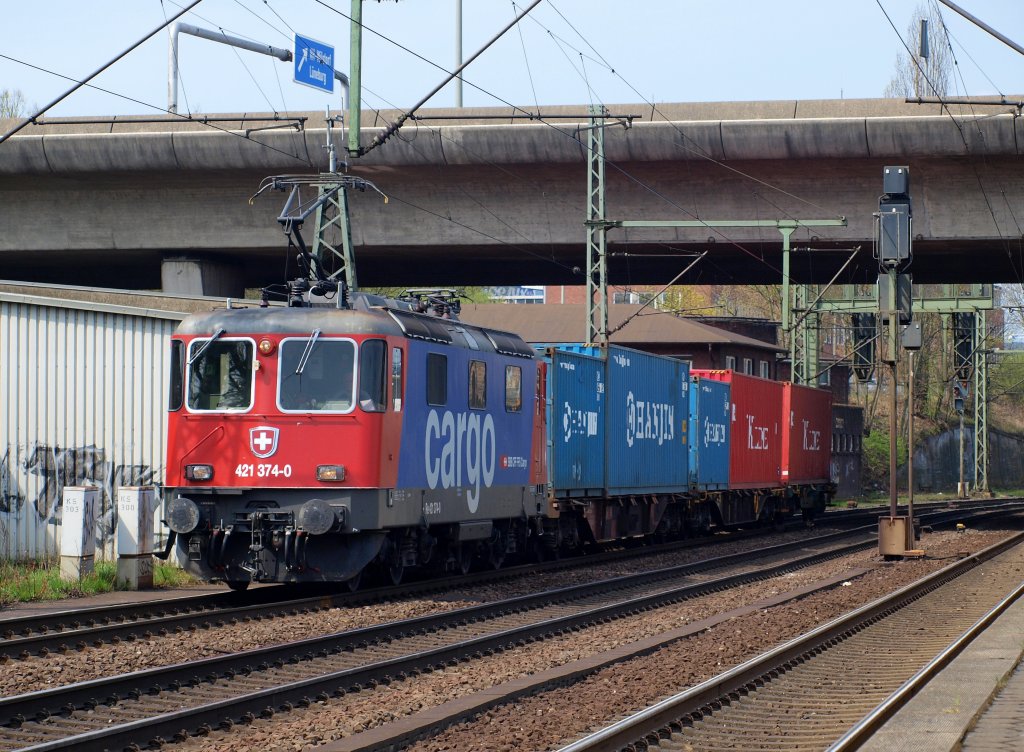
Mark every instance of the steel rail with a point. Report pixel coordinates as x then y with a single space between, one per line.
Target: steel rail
89 694
77 628
859 734
646 724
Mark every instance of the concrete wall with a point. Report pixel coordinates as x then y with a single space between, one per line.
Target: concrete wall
937 461
485 202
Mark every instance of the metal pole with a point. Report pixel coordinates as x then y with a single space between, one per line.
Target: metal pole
977 22
458 51
173 73
355 72
981 458
961 491
910 446
893 495
597 232
172 65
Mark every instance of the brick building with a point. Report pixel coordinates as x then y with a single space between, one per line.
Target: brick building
702 346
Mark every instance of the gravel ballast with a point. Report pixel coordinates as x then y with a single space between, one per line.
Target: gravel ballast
545 720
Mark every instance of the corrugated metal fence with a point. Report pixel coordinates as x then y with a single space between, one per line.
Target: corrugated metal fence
82 402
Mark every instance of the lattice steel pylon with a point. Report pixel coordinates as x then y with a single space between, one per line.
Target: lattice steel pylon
597 232
804 345
332 214
980 358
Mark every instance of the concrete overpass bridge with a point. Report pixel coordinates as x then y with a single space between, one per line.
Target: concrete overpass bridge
487 199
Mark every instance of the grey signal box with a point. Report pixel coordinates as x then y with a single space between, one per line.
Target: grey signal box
895 298
894 218
910 337
896 181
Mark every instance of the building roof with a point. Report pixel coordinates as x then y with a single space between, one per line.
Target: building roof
540 323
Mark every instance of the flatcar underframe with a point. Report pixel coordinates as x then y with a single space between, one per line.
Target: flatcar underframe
292 538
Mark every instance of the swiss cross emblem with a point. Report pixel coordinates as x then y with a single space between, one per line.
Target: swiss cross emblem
263 441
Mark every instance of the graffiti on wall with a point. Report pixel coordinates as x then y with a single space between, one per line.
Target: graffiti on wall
10 495
35 484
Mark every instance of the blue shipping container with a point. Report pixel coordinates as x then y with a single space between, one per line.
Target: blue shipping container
576 430
648 418
709 434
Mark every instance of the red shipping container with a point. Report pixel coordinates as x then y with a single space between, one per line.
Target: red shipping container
807 435
755 440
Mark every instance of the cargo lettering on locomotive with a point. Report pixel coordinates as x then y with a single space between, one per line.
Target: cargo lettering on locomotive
460 446
757 436
812 439
654 421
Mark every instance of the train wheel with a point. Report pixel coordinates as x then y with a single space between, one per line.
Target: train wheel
354 582
496 550
238 585
465 557
395 567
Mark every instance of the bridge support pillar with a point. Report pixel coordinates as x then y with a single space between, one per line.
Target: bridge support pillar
190 275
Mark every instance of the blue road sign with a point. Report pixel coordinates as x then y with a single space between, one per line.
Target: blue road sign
314 63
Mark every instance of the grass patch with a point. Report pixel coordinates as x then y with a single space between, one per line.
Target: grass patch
170 576
27 581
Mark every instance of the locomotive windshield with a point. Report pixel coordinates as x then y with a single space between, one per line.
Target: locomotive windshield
220 374
326 378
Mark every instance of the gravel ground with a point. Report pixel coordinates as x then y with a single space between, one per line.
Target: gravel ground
542 722
44 672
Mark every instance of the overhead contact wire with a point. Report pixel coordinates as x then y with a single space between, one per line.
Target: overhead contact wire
182 118
79 84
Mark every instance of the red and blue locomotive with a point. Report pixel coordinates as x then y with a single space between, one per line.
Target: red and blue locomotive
305 443
312 443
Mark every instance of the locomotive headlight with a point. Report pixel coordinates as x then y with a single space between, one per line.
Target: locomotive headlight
330 472
199 472
266 346
182 515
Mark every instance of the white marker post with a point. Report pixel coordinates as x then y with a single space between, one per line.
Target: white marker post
78 531
135 537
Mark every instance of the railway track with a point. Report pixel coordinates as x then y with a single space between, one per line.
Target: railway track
172 701
832 687
78 629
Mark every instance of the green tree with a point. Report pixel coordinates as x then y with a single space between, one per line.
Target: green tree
468 294
923 77
12 103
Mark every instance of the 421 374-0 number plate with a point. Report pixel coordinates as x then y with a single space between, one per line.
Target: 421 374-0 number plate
263 470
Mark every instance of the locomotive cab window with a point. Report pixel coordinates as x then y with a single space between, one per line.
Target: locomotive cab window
316 374
176 398
371 375
220 374
513 389
477 385
437 379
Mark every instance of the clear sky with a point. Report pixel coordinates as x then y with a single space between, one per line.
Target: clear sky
564 52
